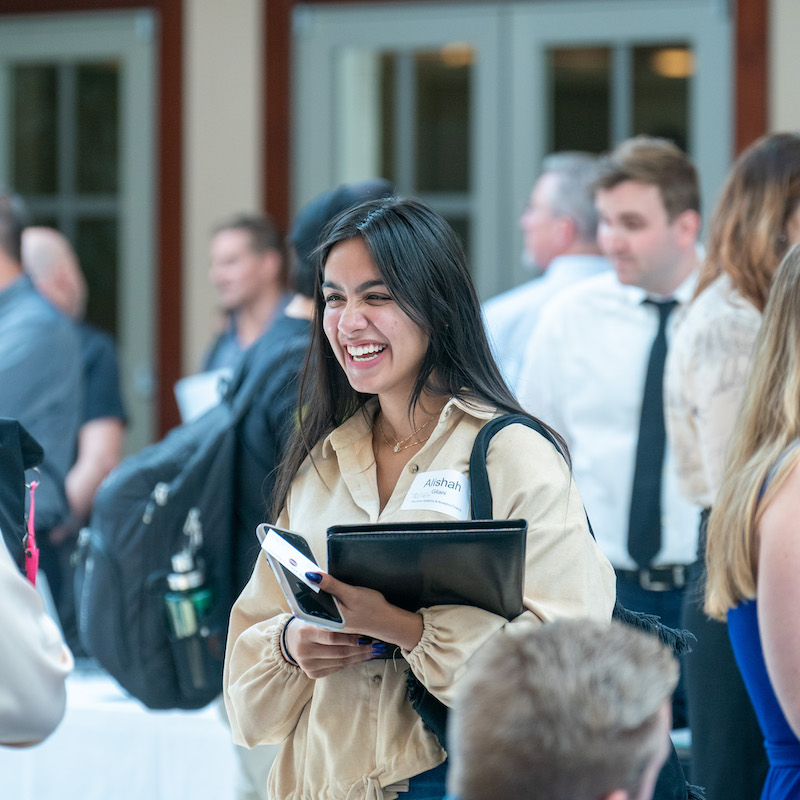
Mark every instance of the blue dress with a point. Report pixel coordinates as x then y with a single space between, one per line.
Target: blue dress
783 748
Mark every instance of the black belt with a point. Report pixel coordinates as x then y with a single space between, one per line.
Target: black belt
657 579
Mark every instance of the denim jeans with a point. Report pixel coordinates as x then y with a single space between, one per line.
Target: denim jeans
429 785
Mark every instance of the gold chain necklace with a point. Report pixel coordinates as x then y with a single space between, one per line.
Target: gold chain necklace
398 446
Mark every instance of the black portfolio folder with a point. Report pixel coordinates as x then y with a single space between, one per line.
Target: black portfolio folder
414 565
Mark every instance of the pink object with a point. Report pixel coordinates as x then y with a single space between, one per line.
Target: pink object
31 550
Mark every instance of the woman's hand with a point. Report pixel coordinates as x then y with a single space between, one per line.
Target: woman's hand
320 652
367 612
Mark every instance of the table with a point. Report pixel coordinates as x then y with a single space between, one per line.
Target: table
109 746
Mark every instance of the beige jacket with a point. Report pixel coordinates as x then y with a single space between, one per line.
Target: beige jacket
354 734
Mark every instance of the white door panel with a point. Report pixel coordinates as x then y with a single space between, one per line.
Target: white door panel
337 49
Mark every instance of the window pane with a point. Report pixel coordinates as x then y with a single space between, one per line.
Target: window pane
45 220
34 165
96 246
580 98
443 119
98 127
387 115
661 91
405 115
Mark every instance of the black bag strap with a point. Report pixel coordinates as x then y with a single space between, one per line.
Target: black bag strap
481 500
480 493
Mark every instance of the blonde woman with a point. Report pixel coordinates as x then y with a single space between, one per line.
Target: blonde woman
755 221
753 552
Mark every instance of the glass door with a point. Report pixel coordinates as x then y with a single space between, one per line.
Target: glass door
409 94
76 92
586 76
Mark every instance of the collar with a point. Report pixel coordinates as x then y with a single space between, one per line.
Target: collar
13 290
683 294
359 425
576 265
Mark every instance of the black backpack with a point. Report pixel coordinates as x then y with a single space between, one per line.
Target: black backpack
173 497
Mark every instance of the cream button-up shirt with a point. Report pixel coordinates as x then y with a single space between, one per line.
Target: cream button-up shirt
704 382
354 734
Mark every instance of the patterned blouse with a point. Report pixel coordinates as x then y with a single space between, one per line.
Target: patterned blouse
704 382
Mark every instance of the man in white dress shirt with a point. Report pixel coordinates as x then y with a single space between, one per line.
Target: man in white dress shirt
586 366
560 240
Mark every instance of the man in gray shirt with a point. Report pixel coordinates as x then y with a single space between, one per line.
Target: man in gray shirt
40 379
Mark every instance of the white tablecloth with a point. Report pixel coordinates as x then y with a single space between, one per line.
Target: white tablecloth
109 747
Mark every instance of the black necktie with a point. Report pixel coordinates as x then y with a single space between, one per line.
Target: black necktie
644 527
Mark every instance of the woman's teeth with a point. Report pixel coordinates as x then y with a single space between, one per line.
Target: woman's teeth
365 352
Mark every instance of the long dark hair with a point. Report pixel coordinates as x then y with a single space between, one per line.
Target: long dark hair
422 263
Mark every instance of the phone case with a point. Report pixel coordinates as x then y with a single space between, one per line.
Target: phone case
319 608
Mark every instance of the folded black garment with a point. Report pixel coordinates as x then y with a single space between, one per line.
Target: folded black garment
19 451
418 564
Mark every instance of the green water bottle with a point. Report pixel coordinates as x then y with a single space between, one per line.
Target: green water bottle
188 604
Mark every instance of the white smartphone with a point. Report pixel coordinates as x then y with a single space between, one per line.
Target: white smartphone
307 603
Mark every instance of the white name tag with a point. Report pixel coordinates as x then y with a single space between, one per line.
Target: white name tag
444 490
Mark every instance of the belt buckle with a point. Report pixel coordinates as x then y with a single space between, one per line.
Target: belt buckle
646 582
678 580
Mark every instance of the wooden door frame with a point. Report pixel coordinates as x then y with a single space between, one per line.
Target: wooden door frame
750 90
750 72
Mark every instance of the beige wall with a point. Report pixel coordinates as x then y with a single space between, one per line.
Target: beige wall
784 97
223 130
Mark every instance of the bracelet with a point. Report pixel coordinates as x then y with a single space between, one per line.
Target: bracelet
284 649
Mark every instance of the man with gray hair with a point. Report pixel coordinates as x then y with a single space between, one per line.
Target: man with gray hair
559 226
571 710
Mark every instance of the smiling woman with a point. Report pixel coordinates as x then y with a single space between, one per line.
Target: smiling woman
377 345
398 383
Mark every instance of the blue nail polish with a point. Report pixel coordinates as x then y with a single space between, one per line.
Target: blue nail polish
379 648
364 640
314 577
